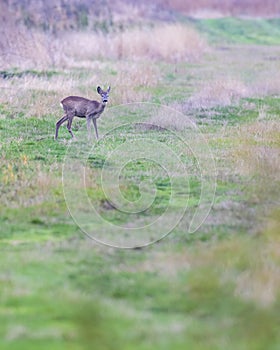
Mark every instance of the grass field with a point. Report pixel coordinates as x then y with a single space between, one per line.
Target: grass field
182 133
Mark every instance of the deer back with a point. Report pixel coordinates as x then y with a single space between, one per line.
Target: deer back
81 106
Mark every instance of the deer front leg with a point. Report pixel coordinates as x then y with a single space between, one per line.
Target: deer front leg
58 125
89 128
95 127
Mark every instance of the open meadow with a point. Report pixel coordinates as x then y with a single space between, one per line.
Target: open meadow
187 165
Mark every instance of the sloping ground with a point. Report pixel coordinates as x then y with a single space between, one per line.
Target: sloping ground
240 31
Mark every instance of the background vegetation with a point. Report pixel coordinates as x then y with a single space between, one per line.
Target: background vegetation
217 288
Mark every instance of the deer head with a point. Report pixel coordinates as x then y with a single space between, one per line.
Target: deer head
104 94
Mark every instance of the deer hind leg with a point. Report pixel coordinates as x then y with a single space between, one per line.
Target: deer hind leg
69 124
59 123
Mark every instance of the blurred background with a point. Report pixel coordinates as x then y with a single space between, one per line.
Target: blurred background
36 33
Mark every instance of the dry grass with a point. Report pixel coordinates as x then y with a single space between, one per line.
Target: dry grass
170 119
38 96
171 43
133 82
235 74
221 92
226 7
267 82
29 48
23 188
26 48
259 149
257 157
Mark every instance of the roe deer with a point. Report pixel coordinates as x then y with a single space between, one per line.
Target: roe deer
75 106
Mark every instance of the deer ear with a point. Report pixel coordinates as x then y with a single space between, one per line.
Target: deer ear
109 88
99 89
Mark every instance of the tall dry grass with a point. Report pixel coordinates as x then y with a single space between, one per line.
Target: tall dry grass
171 43
36 96
35 49
26 48
133 82
39 96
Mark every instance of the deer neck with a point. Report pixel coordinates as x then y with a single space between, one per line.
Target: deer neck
102 106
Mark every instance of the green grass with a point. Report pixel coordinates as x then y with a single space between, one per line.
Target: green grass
241 31
107 308
12 73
